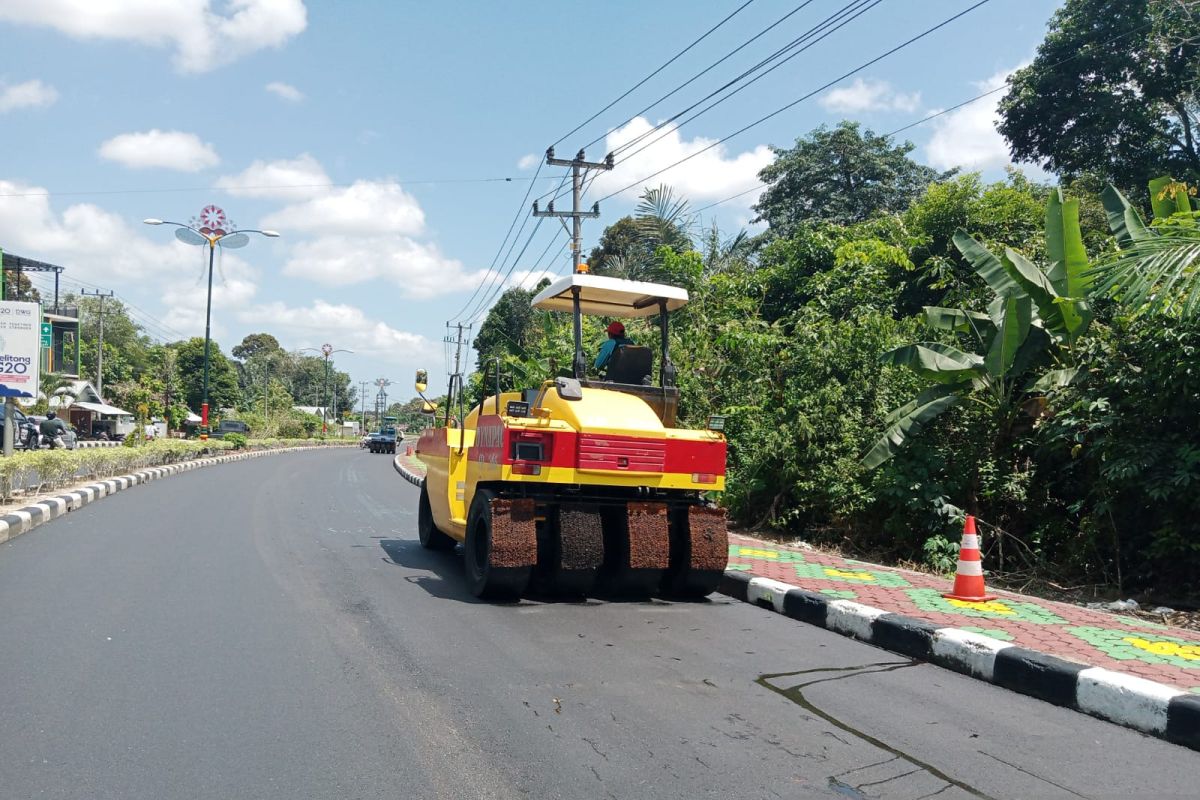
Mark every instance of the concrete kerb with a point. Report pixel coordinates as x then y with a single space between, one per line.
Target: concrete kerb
413 478
23 520
1146 706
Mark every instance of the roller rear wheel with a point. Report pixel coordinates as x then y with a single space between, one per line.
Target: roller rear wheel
570 551
431 538
699 552
499 554
636 550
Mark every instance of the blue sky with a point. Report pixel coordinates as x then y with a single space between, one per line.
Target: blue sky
360 129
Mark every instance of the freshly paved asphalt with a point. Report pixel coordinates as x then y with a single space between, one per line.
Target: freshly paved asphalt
272 629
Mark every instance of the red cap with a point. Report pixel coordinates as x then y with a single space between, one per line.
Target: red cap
616 329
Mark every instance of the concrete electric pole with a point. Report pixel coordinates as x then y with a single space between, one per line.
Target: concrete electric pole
576 214
100 348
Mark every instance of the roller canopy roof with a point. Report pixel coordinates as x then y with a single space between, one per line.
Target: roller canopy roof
609 297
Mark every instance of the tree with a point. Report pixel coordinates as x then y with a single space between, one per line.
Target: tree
619 241
840 175
1112 90
222 380
1014 340
506 329
255 344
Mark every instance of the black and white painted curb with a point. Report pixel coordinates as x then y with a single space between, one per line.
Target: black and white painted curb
83 445
412 477
1153 708
23 520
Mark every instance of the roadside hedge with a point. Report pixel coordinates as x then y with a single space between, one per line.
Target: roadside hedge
46 470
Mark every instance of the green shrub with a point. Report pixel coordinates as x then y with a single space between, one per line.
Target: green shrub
238 440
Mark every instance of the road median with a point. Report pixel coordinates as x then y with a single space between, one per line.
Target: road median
17 521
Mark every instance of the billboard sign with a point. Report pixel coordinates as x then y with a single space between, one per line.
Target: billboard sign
20 345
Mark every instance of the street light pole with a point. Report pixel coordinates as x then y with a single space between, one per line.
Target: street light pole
326 351
211 232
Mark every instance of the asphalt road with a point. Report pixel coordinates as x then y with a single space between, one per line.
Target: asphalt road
271 629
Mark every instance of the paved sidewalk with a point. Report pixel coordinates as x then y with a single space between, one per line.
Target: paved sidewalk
1124 644
1100 639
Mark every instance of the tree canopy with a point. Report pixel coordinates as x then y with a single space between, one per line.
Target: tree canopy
1112 91
841 175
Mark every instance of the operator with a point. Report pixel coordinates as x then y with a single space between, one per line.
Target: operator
616 338
51 428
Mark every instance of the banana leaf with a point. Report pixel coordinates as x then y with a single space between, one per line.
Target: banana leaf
909 420
1124 220
985 264
1055 379
935 361
1033 352
1068 271
1066 317
953 319
1010 335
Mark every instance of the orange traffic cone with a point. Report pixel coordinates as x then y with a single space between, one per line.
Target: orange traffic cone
968 580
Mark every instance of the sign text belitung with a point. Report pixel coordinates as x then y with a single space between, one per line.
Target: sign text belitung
20 345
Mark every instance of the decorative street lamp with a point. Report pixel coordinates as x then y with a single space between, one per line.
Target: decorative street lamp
211 228
326 350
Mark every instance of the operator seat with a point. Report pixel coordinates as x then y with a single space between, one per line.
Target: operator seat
631 364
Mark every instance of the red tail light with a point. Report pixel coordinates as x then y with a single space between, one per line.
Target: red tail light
703 477
528 450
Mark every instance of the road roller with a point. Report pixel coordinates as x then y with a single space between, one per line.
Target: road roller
580 486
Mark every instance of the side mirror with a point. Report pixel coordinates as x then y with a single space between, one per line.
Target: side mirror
422 380
429 407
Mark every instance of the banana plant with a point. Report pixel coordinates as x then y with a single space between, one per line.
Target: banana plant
1035 315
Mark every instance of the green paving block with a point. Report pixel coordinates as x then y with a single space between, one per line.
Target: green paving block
768 554
995 633
841 594
1195 690
738 567
1138 622
864 577
1149 648
1018 611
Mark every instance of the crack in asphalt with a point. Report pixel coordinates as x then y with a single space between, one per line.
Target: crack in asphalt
797 696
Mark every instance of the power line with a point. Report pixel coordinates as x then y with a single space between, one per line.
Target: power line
500 249
731 197
637 85
234 189
702 72
826 28
799 100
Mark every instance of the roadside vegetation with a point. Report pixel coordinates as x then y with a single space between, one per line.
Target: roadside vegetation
899 347
40 471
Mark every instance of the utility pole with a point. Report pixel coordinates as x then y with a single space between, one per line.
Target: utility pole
576 215
363 415
381 401
100 349
456 376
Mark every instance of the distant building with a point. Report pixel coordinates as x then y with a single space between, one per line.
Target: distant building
62 354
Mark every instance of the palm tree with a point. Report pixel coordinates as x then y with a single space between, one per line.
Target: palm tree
1156 268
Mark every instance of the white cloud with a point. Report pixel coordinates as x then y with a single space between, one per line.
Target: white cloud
365 208
285 90
967 137
347 325
185 298
204 34
30 94
528 161
418 269
868 95
162 149
529 278
712 175
292 179
93 244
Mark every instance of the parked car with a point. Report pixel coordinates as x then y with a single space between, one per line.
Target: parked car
231 426
25 435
